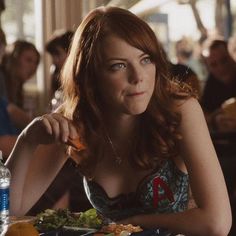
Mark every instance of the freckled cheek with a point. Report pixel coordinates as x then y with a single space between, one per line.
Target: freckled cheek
108 89
152 79
116 90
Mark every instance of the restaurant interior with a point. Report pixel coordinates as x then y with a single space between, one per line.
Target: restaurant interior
184 27
37 20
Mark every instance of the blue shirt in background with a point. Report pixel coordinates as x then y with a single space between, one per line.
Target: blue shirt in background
6 125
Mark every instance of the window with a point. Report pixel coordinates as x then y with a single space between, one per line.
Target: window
18 20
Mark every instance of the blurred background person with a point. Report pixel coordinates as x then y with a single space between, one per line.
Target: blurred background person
19 64
220 85
12 121
12 118
220 88
232 46
58 47
188 53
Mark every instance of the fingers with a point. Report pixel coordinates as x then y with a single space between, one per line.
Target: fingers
59 127
46 124
73 131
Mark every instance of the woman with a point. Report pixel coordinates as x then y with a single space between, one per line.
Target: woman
143 139
19 64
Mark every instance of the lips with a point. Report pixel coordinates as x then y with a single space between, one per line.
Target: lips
133 94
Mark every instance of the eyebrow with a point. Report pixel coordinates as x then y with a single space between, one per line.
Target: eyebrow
123 59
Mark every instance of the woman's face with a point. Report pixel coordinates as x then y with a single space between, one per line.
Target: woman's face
27 64
127 77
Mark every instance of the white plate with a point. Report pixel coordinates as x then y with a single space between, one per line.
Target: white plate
89 230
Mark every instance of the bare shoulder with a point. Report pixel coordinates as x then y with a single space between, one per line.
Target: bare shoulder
192 115
186 105
189 109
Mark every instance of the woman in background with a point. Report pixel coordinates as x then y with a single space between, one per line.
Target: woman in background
19 64
142 140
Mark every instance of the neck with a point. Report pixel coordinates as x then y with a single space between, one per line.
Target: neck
121 128
120 135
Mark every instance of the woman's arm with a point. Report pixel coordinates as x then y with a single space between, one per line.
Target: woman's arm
213 214
38 155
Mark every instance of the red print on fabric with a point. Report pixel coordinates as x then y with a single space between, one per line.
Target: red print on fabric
158 182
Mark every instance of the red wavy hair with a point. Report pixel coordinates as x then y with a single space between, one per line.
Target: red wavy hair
158 136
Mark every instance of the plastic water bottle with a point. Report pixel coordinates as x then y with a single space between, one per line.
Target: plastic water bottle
5 177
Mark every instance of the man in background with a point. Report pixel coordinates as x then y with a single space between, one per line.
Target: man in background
220 85
58 47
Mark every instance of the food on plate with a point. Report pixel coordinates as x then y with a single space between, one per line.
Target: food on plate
89 220
55 219
121 229
22 229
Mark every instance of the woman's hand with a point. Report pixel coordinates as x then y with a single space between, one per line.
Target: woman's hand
49 128
31 159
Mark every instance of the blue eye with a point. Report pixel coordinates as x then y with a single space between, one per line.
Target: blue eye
117 66
146 60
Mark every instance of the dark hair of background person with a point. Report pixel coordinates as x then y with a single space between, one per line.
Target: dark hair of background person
212 44
61 39
58 47
2 5
3 39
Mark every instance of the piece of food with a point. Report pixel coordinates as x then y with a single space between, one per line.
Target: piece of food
75 143
75 148
87 219
51 219
121 229
56 219
22 229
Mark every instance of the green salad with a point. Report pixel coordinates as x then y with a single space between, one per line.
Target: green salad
55 219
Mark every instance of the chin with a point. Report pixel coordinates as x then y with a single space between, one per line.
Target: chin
137 110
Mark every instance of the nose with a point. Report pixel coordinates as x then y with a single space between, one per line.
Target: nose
135 74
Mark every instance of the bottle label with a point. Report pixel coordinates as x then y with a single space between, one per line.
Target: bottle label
4 199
